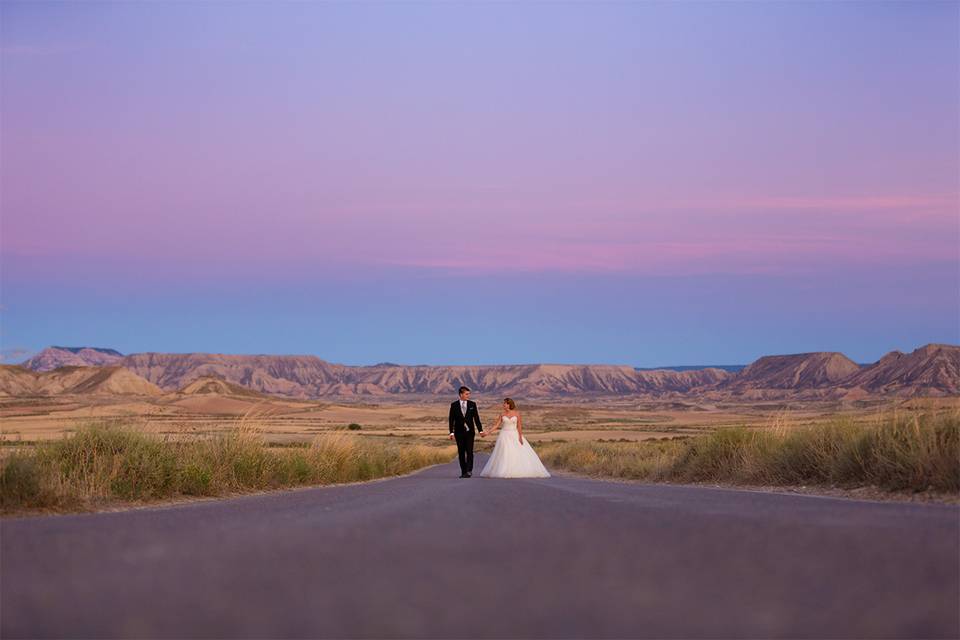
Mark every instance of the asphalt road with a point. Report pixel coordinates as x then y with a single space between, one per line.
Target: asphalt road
431 555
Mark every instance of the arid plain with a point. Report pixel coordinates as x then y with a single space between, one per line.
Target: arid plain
291 400
217 407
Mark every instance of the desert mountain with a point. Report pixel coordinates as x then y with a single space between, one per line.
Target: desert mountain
933 367
683 380
311 377
796 371
111 380
930 370
535 380
295 376
55 357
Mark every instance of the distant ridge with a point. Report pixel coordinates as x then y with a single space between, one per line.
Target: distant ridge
112 352
933 369
311 377
732 368
55 357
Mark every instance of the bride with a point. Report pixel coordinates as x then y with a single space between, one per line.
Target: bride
512 456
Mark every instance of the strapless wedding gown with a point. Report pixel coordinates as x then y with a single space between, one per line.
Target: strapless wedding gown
510 459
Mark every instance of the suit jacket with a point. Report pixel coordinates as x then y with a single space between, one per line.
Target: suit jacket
460 423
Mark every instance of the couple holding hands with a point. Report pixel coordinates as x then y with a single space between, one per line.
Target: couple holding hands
512 456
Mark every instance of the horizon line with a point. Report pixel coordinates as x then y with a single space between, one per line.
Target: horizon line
511 364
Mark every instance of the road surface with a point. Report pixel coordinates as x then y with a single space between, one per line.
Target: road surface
432 555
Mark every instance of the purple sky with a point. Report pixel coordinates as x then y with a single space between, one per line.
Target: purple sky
642 183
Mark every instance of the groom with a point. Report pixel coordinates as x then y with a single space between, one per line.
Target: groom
463 416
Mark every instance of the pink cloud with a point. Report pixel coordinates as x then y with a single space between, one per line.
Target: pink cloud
755 234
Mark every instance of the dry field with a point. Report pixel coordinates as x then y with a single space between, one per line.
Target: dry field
285 421
215 445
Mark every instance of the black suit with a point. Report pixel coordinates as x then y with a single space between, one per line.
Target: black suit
462 427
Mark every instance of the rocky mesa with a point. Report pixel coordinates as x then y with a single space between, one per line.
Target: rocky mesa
933 369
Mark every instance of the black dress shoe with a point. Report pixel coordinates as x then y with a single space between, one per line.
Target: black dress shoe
469 474
464 475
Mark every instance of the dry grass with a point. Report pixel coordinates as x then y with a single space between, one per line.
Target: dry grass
914 451
104 463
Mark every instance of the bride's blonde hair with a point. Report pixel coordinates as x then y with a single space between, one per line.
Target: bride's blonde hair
511 404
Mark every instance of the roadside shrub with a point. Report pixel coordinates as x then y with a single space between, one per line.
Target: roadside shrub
109 462
914 451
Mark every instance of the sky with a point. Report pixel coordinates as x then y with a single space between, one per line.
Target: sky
640 183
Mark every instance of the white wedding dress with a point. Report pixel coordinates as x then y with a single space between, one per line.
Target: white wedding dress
510 459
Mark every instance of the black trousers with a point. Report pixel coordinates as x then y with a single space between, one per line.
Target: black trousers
465 450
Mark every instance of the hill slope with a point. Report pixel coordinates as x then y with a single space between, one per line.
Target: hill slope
931 368
114 380
799 371
216 386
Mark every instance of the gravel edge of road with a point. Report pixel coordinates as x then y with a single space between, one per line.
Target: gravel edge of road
862 494
185 500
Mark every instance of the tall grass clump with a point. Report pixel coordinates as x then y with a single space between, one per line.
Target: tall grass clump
651 460
912 451
103 463
909 452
